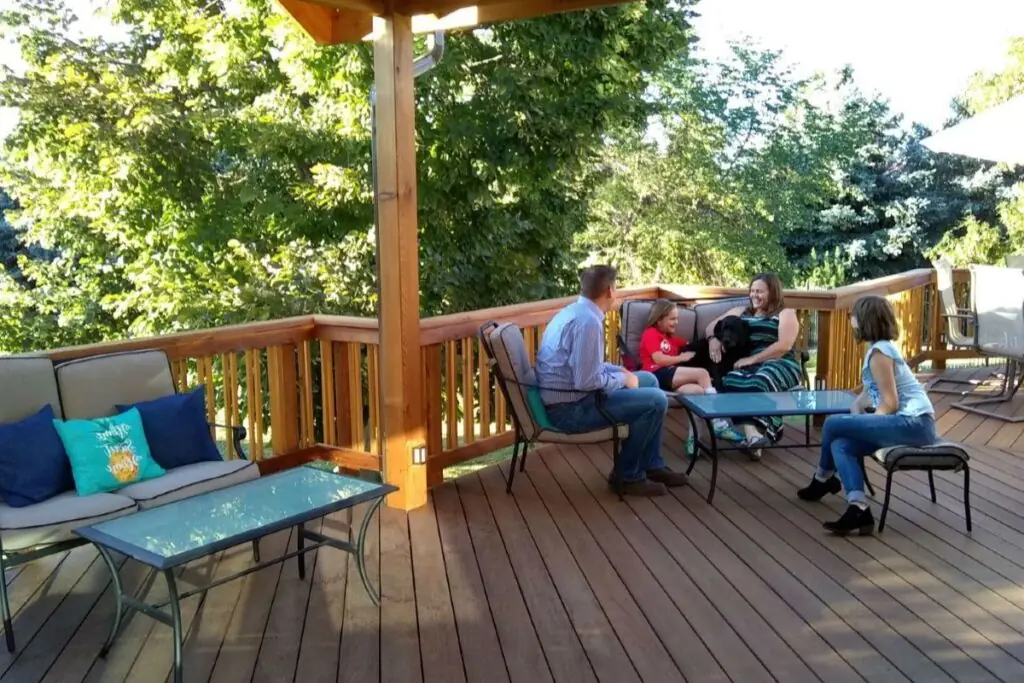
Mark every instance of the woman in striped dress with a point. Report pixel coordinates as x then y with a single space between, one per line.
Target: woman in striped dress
772 364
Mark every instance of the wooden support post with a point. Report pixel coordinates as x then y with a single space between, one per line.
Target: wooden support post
398 263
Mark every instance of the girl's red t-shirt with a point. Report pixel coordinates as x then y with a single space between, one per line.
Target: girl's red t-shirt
654 340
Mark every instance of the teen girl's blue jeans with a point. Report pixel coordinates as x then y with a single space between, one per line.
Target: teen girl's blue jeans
848 438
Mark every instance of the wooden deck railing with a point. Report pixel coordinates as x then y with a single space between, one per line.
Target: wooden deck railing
310 383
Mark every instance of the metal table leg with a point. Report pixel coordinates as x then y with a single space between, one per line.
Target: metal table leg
172 594
714 461
118 599
5 604
696 442
712 452
361 554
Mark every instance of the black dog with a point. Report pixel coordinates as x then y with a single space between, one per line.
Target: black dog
734 334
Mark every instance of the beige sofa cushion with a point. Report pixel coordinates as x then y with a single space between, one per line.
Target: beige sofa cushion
190 480
91 387
53 520
27 383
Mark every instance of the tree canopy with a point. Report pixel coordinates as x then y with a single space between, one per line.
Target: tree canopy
208 163
214 166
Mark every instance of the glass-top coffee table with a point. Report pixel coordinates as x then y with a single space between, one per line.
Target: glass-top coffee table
169 536
709 407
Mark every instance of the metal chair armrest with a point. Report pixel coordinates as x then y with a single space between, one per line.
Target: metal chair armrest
238 435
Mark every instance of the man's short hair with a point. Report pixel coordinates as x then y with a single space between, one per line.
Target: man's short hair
595 281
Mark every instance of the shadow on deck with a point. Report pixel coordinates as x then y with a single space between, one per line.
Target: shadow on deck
562 582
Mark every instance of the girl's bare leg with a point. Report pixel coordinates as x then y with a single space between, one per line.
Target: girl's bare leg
698 377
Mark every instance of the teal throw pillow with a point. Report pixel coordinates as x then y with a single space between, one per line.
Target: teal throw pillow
538 409
107 453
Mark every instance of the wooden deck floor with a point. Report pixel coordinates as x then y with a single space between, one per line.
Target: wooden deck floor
562 582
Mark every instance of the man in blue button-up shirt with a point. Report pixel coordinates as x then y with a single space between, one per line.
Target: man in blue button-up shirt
570 360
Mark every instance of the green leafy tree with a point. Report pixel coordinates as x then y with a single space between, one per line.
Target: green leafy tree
9 243
896 202
214 165
989 238
751 153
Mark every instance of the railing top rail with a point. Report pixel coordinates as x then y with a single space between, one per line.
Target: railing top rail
443 328
239 337
437 329
795 298
883 286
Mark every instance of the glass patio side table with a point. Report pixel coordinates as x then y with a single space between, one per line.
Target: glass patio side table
709 407
166 537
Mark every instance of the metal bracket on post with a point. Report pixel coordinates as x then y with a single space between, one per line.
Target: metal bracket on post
435 50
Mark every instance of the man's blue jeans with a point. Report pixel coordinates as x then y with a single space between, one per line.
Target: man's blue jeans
846 439
643 409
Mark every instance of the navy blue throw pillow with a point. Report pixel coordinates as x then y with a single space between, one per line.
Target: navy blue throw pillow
33 464
176 429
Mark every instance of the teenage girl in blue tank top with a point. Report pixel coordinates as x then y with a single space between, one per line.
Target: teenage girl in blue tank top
893 410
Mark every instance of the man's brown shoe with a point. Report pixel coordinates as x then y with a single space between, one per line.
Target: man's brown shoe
667 477
644 487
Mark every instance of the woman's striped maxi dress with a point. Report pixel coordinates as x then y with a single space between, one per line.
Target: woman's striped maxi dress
777 374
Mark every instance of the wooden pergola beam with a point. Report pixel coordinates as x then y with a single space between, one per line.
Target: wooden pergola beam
482 14
330 25
330 22
374 7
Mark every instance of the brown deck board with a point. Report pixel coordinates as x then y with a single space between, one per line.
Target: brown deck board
662 618
439 639
758 635
524 657
399 635
732 654
478 637
78 655
974 648
562 647
325 611
563 582
650 658
208 628
359 657
240 648
37 655
282 637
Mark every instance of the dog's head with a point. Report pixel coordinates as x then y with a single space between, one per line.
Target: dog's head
732 332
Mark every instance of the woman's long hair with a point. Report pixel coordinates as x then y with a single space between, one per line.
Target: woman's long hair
776 300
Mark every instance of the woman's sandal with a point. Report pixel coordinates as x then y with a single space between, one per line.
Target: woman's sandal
752 446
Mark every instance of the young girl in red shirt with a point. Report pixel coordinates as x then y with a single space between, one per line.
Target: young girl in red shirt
661 352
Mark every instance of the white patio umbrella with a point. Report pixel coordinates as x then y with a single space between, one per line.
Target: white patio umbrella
996 134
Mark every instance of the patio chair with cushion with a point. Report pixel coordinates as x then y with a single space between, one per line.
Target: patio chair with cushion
959 328
997 295
510 364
